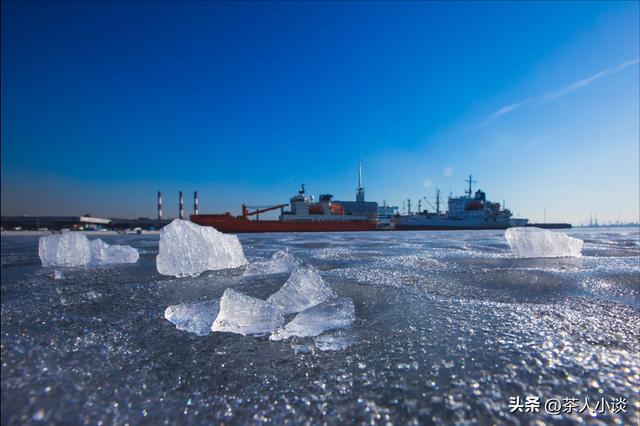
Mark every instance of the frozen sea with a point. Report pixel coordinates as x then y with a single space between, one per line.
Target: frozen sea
449 326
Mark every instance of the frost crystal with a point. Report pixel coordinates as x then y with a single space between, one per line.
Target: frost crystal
282 261
66 249
187 249
537 242
193 317
333 314
244 315
304 289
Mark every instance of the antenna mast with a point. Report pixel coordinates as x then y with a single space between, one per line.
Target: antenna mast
471 182
360 189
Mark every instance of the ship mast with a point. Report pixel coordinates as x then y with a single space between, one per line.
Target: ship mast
438 201
470 181
360 189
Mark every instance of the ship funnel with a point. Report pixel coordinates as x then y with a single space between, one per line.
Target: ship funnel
159 205
181 209
195 202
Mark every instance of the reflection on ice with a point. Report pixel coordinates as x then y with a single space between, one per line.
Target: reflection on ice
335 341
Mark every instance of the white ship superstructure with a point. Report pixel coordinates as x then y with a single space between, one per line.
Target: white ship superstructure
471 211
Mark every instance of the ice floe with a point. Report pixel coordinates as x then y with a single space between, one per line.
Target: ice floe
188 249
193 317
74 249
537 242
282 261
244 315
304 288
330 315
65 249
103 253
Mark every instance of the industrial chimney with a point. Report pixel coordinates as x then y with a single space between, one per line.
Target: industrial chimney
159 205
195 202
181 213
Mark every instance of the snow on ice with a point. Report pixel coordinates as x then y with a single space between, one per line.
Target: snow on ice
193 317
282 261
537 242
188 249
304 289
330 315
244 315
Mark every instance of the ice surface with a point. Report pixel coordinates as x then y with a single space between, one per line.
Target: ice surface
282 261
244 315
193 317
537 242
330 315
304 289
107 340
103 253
187 249
65 249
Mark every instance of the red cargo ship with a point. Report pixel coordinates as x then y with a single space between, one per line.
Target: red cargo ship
304 215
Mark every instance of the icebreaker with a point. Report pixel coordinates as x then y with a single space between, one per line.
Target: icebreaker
244 315
193 317
537 242
330 315
65 249
103 253
187 249
282 261
304 289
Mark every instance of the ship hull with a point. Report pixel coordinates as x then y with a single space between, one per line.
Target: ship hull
235 225
409 223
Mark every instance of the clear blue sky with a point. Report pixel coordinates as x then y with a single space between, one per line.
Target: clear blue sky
105 103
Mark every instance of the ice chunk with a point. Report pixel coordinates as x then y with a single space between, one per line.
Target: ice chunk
304 289
65 249
537 242
58 275
187 249
282 261
333 314
103 253
244 315
336 341
193 317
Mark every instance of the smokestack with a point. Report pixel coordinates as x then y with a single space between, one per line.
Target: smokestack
159 205
181 213
195 202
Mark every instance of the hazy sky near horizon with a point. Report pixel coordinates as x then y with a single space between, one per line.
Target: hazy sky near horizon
105 103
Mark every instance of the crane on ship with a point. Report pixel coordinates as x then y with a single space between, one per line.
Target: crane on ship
259 209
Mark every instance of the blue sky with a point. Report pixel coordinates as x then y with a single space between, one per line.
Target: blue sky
105 103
